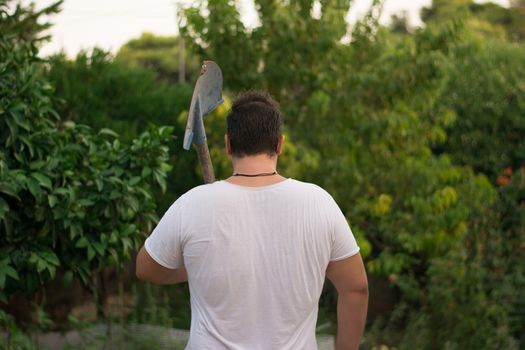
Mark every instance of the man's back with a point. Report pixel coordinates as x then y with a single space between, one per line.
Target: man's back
256 259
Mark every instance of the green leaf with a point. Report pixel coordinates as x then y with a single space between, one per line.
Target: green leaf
4 207
20 120
41 265
166 167
34 188
52 200
116 145
33 258
126 243
28 143
134 180
85 202
9 190
133 203
43 180
13 128
90 253
114 254
82 242
100 184
114 194
145 172
161 181
83 273
129 229
51 258
99 247
52 270
74 230
106 131
61 190
37 164
11 272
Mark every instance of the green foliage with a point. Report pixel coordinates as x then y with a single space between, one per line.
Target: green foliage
363 107
104 92
473 298
374 111
160 54
70 199
25 22
404 130
484 92
97 91
486 20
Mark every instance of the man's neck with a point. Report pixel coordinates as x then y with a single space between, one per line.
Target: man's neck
253 165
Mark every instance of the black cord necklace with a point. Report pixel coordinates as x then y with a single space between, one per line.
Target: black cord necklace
255 175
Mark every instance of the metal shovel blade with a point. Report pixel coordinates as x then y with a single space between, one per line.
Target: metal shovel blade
207 95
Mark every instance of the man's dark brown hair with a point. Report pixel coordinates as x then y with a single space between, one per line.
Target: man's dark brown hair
254 124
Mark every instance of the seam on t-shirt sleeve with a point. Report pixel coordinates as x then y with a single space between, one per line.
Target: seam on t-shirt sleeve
156 257
352 253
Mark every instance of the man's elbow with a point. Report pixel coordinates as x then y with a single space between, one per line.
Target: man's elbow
359 288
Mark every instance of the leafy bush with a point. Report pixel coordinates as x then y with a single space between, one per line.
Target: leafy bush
473 298
70 199
160 54
484 91
362 108
97 91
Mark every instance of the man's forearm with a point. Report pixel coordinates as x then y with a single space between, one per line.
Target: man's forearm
351 318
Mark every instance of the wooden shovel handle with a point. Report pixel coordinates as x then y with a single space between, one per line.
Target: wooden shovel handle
205 160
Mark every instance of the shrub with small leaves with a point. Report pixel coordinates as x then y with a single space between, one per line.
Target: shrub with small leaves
71 199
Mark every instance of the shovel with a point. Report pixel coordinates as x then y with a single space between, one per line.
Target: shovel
207 95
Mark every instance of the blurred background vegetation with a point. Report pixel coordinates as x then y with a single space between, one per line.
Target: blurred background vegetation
419 133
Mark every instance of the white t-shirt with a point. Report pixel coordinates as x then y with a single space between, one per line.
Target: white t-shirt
256 259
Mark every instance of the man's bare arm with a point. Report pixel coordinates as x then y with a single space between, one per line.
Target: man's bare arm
149 270
349 278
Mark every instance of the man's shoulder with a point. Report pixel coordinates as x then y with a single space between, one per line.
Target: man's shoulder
198 191
221 188
307 185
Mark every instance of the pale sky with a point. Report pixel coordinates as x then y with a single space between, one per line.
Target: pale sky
110 23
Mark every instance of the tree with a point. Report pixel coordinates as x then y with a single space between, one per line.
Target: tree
488 19
71 199
363 110
483 91
26 21
399 23
160 54
96 90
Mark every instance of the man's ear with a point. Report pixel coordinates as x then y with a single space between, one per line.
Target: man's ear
280 144
228 144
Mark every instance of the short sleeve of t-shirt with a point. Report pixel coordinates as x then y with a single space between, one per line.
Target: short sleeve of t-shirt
164 244
344 244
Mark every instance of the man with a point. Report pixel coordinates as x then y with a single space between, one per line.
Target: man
256 248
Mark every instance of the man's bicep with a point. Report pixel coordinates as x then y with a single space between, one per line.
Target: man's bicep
149 270
348 275
164 244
